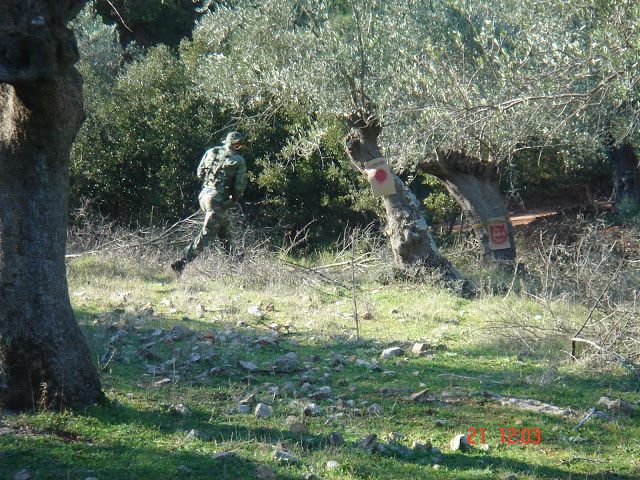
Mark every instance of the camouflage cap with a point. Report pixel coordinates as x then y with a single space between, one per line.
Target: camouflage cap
234 137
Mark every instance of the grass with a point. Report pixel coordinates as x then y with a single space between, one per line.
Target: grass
124 303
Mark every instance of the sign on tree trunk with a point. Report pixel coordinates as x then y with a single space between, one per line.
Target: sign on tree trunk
498 233
380 178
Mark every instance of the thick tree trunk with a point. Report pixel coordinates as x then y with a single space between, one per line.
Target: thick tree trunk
475 186
627 181
44 358
411 241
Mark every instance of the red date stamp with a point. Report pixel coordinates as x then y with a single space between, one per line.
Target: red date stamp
507 435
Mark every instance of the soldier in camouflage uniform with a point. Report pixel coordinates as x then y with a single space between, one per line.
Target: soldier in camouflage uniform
224 172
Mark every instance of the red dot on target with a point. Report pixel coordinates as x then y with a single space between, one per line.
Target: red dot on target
381 175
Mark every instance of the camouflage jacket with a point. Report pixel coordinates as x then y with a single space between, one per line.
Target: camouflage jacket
223 171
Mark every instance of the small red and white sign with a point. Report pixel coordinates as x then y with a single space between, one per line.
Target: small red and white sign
498 233
380 177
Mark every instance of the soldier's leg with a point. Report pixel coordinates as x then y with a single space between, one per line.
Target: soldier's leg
210 226
224 233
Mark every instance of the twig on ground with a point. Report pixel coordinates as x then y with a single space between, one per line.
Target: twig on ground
589 415
108 361
581 459
309 269
462 377
360 261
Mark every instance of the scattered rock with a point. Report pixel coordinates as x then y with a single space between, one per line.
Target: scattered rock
332 465
335 439
391 352
195 434
265 472
374 410
225 456
256 311
368 443
459 442
298 428
312 410
322 393
248 366
616 405
395 437
244 409
421 447
422 349
285 458
180 408
263 411
263 342
362 363
22 475
162 382
181 332
422 396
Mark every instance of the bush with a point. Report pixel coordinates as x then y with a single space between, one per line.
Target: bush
138 150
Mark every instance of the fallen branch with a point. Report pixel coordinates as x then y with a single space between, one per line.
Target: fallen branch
360 261
526 404
132 245
462 377
622 360
321 275
589 415
581 459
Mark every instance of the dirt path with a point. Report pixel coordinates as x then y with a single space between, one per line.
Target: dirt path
525 218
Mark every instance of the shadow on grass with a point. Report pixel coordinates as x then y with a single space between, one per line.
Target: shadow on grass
132 455
159 454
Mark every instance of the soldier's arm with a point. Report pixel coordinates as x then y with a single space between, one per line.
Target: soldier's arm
241 178
202 166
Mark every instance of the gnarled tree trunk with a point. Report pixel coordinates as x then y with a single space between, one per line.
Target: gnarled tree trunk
44 358
475 186
411 241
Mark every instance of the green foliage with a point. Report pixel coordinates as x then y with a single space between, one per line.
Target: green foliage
152 22
138 149
505 81
553 169
628 210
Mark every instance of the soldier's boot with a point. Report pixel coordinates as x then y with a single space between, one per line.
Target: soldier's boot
178 265
227 246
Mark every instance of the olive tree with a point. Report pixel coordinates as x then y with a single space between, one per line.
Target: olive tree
284 52
458 87
44 359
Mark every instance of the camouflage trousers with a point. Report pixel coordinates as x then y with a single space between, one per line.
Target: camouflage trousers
216 223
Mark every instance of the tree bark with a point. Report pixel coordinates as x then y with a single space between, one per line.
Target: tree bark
411 242
44 358
475 186
627 181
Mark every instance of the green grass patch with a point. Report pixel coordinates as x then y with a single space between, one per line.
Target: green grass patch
162 343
